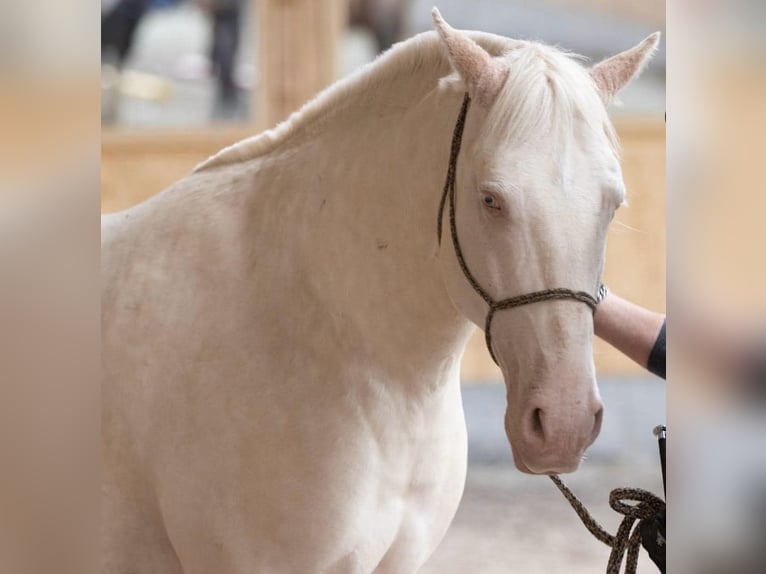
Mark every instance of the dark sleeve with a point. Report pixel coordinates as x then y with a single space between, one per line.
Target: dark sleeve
656 362
754 374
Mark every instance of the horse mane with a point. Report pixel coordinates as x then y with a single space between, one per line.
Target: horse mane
547 90
543 78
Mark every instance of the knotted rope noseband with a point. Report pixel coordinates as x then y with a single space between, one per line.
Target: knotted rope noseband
494 306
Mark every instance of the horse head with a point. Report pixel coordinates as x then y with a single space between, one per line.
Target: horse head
538 181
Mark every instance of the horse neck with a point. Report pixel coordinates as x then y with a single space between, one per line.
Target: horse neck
371 184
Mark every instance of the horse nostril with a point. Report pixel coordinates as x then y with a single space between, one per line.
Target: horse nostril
598 418
537 423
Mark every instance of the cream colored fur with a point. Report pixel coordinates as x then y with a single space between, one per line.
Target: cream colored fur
282 334
616 72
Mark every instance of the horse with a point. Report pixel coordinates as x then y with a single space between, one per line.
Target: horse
282 329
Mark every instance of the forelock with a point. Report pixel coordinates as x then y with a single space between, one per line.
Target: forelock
546 92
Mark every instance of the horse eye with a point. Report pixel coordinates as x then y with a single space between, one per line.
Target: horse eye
489 201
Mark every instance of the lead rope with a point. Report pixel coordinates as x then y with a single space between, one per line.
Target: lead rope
627 539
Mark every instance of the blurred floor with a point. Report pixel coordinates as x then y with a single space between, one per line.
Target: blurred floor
510 522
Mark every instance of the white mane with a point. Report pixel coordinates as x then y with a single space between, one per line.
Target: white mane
546 91
546 87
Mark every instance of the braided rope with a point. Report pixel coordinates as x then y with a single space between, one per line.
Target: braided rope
627 540
449 191
457 140
526 299
494 306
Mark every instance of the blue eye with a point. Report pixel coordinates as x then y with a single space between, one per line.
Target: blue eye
489 201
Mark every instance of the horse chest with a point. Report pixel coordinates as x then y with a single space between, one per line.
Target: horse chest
410 479
342 481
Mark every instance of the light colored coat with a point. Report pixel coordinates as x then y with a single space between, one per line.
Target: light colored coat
281 347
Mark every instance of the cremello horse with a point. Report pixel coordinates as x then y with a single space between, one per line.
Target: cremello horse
282 330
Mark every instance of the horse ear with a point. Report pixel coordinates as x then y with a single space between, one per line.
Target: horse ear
483 75
616 72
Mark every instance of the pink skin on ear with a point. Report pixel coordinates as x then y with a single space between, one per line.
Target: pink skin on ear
616 72
484 76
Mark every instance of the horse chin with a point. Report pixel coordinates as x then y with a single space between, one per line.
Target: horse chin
521 466
559 467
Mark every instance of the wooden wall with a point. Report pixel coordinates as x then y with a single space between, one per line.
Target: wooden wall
137 165
298 43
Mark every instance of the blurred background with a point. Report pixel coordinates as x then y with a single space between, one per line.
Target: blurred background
717 282
190 63
49 302
181 79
